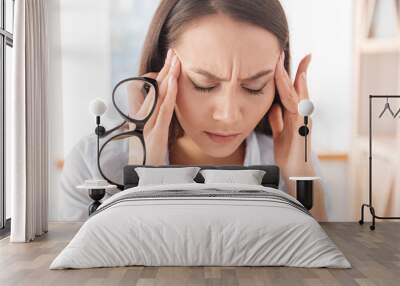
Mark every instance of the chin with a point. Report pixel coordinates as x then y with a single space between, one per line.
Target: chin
219 153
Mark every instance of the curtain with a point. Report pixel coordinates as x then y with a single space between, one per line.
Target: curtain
28 116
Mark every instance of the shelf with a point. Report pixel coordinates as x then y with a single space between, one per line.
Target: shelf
376 46
385 147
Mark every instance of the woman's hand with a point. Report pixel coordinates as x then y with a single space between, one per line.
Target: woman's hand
156 129
288 144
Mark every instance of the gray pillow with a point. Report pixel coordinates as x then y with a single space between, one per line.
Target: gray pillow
248 177
162 176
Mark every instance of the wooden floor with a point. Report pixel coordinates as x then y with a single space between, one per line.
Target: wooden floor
374 255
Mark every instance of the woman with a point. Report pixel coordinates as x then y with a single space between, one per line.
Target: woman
226 96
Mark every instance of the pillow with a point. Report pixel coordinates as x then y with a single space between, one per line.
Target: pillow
249 177
162 176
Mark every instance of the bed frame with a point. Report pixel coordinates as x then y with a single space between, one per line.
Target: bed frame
131 178
304 186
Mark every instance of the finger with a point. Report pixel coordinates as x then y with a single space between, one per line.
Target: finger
286 90
164 81
140 99
162 94
148 103
275 119
300 82
167 108
163 86
303 67
134 100
303 87
165 69
152 75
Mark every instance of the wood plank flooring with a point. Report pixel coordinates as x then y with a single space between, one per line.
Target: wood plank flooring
375 257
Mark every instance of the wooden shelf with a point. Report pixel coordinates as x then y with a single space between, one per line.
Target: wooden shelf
377 46
333 156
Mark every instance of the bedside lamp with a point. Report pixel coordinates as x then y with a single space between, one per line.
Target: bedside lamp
97 107
304 185
97 187
135 100
305 108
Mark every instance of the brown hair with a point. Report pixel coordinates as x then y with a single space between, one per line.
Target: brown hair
172 16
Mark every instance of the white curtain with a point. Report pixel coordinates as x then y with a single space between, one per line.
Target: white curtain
28 116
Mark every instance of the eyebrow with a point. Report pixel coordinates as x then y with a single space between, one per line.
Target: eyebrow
217 78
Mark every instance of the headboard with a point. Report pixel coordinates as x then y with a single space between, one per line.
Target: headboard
270 179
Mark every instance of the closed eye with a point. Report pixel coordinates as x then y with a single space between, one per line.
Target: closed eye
250 91
253 91
210 88
256 91
201 88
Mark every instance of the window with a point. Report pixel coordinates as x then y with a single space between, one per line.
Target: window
6 44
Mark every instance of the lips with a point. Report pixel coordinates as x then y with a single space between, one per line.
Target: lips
221 137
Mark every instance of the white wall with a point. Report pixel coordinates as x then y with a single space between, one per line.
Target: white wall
79 70
97 43
85 46
324 28
93 44
90 39
101 41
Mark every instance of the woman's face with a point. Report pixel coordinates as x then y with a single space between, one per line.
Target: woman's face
226 83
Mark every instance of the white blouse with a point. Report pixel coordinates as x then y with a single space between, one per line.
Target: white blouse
81 165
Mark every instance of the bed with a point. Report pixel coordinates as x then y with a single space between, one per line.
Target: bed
201 224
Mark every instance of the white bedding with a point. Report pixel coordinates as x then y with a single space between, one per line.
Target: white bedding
187 230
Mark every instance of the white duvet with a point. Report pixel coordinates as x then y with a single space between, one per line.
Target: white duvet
185 230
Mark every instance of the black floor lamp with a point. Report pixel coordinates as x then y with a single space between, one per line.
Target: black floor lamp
369 205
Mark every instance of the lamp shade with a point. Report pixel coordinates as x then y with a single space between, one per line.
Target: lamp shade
305 107
97 107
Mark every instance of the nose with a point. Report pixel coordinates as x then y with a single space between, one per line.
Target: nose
227 109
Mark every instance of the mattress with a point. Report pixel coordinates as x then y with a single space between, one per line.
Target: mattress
197 224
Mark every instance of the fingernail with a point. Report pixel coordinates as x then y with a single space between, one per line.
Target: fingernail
304 76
